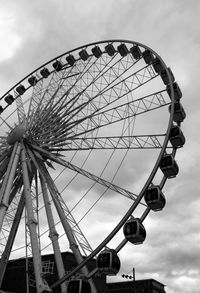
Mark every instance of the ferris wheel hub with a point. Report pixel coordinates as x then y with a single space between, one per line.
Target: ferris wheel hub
16 133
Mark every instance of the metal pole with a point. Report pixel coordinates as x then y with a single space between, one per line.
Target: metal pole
73 245
6 253
134 287
53 234
27 274
32 225
55 196
8 182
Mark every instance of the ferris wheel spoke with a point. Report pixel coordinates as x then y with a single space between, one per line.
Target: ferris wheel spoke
91 73
41 111
140 79
56 88
138 106
85 173
104 83
116 91
123 86
116 114
116 142
20 109
129 83
51 116
35 96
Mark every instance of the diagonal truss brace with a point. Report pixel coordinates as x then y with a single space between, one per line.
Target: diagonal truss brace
116 142
87 174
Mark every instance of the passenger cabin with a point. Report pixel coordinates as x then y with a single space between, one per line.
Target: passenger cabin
169 166
108 262
45 72
9 99
70 60
110 49
134 231
20 89
57 65
176 137
136 52
165 77
32 80
148 56
123 50
177 91
78 286
84 55
96 51
157 65
154 198
179 112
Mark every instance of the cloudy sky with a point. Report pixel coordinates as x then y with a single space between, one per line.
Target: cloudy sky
33 32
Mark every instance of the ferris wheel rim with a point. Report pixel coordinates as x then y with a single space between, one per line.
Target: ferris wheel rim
163 149
85 46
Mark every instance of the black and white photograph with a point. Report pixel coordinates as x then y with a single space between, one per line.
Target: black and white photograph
99 146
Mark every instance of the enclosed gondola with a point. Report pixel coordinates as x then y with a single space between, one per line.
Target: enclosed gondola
78 286
110 49
136 52
176 137
148 56
154 198
123 50
57 65
179 112
177 91
70 59
134 231
9 99
45 72
84 55
108 262
20 89
165 77
169 166
32 80
157 65
97 51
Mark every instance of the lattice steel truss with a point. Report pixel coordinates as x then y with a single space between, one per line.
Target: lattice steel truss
76 120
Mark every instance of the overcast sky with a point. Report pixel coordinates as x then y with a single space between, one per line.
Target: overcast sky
33 32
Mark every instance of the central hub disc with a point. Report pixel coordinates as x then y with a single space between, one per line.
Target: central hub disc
16 133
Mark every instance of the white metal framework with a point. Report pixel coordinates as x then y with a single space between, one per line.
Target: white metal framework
69 131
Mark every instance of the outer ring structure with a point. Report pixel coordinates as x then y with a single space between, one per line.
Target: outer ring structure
157 163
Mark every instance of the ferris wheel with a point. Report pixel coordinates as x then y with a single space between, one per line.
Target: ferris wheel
92 130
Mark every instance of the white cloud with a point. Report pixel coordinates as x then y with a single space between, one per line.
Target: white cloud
9 38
